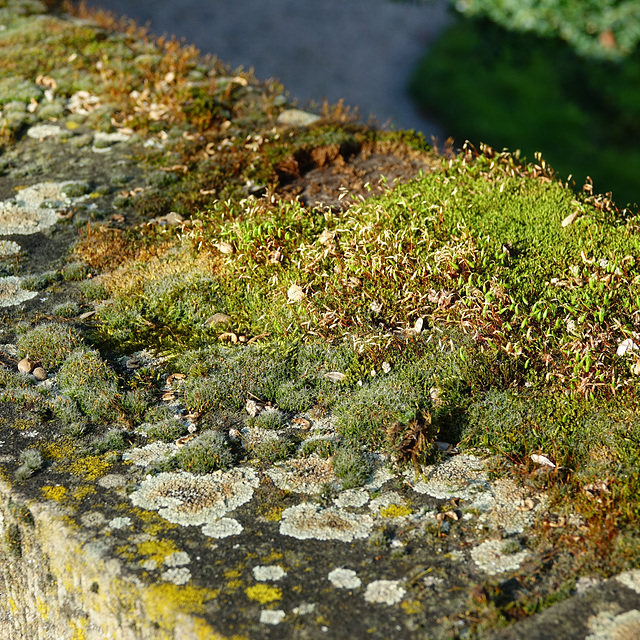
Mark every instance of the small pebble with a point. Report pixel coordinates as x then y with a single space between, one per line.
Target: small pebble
25 365
39 374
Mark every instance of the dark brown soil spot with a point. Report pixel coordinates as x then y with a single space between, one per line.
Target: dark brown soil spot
336 176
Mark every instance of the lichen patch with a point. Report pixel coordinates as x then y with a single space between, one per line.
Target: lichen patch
344 578
34 208
607 626
308 521
490 556
306 475
265 573
462 476
384 592
187 499
178 576
11 291
630 579
223 528
272 616
9 248
150 453
351 498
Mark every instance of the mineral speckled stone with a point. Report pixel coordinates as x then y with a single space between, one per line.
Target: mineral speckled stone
25 365
39 374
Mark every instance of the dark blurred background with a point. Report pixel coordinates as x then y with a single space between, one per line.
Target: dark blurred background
567 84
361 51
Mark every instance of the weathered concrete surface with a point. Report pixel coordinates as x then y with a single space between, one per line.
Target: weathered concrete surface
101 537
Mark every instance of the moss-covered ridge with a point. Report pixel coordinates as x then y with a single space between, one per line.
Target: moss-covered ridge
234 372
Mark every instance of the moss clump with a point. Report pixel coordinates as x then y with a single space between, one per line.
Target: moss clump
31 461
112 440
321 447
274 450
235 375
208 452
67 310
352 467
269 420
87 378
50 344
295 396
167 430
365 415
75 271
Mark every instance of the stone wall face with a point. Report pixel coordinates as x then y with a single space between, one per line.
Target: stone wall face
275 374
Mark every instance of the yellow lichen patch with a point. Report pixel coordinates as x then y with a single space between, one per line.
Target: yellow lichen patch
274 514
204 631
157 550
232 573
395 511
89 467
83 492
411 607
59 450
274 556
164 603
23 424
42 608
56 493
263 593
233 585
153 523
79 629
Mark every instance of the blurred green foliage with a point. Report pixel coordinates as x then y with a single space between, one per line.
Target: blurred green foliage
522 91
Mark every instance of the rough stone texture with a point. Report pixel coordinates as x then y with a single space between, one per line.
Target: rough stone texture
101 545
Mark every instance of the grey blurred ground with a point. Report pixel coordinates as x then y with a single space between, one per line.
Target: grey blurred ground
359 50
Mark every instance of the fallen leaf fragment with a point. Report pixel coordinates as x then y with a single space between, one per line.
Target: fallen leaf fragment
334 376
303 423
527 505
253 408
569 219
180 442
542 460
175 376
626 346
228 337
225 247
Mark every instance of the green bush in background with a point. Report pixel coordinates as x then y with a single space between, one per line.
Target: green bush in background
527 92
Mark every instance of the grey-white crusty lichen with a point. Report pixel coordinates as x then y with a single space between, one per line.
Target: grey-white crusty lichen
304 475
12 292
630 579
187 499
264 573
490 556
9 248
272 616
150 453
35 208
606 625
309 521
222 528
344 578
384 592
